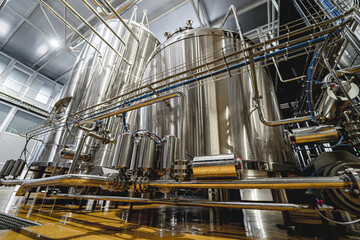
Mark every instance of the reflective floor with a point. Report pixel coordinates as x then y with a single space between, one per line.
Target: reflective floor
104 220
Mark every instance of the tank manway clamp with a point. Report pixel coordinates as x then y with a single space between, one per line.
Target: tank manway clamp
219 166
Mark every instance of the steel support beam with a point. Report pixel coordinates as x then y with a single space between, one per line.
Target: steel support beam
169 11
243 9
18 26
38 28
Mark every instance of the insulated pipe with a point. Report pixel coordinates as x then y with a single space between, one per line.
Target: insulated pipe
70 180
199 203
262 183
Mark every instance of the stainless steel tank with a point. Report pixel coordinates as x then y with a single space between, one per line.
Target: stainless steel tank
116 76
123 151
220 118
146 153
170 152
96 78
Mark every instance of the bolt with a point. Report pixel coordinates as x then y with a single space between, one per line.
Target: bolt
167 34
189 23
355 191
347 171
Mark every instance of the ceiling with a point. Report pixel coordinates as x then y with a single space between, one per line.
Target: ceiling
33 35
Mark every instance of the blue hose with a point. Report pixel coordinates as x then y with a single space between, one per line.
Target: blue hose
151 133
174 86
309 72
338 144
315 173
330 7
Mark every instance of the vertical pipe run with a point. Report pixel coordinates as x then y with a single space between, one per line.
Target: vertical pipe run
78 152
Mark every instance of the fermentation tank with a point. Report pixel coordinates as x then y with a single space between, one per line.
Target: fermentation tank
96 78
221 116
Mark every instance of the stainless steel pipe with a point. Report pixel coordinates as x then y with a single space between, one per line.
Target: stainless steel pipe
2 5
73 180
120 19
103 21
148 103
10 183
199 203
70 26
260 108
262 183
92 29
70 180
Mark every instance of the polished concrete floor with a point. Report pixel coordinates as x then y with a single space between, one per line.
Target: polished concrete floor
103 220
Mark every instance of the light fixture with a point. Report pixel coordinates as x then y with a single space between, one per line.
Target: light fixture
55 43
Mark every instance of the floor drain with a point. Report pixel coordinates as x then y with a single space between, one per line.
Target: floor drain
8 222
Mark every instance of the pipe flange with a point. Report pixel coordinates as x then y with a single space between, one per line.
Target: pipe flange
166 189
354 179
141 184
181 169
347 199
116 183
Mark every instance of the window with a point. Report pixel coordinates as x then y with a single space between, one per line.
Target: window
16 80
40 90
23 121
4 61
4 110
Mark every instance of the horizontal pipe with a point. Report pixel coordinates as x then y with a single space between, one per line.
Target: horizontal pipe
278 122
199 203
70 180
74 180
133 107
265 183
10 183
177 85
259 58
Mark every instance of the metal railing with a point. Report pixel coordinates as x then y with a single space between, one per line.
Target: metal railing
289 41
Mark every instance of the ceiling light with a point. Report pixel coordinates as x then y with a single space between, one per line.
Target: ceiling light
5 28
55 43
